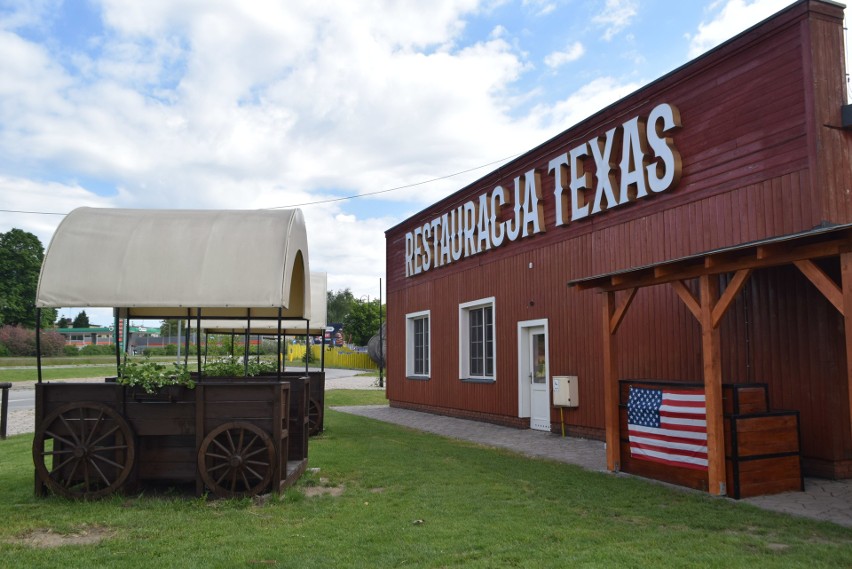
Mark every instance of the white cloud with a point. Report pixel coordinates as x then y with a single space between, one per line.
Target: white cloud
244 105
558 58
583 103
215 104
541 7
615 16
729 18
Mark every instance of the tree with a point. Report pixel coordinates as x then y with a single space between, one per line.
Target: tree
81 321
64 322
339 305
362 322
21 254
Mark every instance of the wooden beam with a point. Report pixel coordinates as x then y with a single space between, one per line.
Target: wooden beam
846 280
725 259
688 299
621 310
823 282
711 353
613 439
770 251
771 257
729 295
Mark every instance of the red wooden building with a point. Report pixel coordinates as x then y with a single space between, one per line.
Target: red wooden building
693 236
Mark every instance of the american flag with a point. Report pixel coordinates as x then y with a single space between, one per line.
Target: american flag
668 426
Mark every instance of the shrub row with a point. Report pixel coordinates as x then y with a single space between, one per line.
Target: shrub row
20 341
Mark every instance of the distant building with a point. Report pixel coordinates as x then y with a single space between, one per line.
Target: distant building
105 336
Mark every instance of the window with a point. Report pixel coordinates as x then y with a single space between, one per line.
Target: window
417 345
476 334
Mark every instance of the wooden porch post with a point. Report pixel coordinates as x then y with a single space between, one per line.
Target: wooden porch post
613 316
710 344
846 285
613 441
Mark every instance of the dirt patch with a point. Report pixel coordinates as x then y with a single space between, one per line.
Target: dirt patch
47 538
778 547
314 491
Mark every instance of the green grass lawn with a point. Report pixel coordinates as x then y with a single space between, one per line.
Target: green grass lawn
344 397
48 373
386 496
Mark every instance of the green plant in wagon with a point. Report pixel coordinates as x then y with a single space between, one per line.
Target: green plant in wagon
151 376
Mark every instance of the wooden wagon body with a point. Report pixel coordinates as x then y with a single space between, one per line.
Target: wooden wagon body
229 437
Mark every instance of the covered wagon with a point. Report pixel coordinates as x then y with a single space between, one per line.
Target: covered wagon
229 436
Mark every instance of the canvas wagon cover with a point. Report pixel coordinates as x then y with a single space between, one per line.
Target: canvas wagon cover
166 263
316 318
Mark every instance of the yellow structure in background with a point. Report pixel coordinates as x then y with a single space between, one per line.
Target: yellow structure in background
335 357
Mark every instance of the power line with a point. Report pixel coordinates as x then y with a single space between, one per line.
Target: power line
32 212
415 184
329 200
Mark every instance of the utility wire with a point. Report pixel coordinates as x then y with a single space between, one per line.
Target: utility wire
398 187
329 200
32 212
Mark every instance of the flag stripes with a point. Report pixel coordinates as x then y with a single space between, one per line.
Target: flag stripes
668 426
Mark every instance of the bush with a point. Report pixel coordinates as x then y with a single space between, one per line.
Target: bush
93 350
169 350
19 341
52 343
70 350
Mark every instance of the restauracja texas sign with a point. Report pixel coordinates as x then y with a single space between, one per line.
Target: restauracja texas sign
649 164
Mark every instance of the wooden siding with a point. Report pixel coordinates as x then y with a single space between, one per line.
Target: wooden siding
754 122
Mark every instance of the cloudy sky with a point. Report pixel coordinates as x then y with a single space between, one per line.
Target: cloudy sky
234 104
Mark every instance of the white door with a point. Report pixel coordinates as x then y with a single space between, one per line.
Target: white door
538 381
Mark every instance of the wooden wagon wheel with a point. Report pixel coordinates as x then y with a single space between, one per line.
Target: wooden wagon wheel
83 450
236 459
314 417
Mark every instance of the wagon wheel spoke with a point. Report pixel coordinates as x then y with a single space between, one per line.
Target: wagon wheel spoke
216 455
253 453
99 471
314 416
62 464
105 435
95 426
106 460
83 450
221 446
61 439
218 467
253 473
73 470
232 461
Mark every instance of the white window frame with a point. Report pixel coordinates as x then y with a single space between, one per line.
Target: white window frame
464 339
410 320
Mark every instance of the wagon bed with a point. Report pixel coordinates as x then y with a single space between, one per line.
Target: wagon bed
231 437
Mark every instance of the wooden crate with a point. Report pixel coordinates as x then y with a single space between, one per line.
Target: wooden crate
762 447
